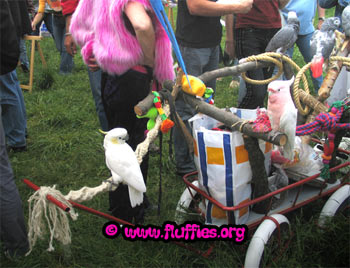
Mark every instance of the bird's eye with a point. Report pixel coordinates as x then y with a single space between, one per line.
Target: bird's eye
279 90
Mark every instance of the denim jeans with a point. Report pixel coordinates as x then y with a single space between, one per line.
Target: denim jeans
48 22
197 61
23 53
59 29
253 41
303 43
95 84
14 117
13 233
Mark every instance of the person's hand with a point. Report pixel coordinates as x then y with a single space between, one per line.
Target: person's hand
93 66
33 25
70 45
246 6
320 22
230 48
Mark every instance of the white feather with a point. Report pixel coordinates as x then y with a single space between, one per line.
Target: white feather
122 162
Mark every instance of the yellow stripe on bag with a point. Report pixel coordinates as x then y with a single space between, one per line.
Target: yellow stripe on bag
195 149
244 210
218 213
241 154
215 156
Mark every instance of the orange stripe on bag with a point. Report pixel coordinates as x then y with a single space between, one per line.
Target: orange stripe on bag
195 149
244 210
268 147
241 154
218 213
215 156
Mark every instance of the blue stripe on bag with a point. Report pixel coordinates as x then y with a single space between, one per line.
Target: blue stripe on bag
208 216
239 113
228 169
203 159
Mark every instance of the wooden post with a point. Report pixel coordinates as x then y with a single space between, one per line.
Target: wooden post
35 40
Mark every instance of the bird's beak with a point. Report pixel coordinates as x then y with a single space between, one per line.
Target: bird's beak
103 132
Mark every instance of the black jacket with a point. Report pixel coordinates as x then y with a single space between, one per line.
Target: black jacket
14 23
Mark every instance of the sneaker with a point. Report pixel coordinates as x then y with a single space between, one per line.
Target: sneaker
16 149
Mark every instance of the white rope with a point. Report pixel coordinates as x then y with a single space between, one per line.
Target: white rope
56 218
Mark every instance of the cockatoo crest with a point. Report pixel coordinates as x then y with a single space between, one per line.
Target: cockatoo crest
123 164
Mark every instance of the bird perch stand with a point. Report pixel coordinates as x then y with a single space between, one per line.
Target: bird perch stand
35 40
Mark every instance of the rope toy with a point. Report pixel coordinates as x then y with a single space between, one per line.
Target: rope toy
167 123
326 122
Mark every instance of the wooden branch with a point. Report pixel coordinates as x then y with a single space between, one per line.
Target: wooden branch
259 177
234 70
234 122
332 74
227 118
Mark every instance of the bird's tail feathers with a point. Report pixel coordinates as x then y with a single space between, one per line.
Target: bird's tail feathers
316 66
136 197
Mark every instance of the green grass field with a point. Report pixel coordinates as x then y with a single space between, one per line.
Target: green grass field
65 149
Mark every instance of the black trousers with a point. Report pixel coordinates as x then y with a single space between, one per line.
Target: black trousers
120 93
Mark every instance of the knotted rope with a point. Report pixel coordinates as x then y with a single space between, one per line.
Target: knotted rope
57 220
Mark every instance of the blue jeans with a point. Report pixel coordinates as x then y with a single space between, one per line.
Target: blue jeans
23 53
14 116
303 43
48 22
12 227
59 29
253 41
95 84
198 61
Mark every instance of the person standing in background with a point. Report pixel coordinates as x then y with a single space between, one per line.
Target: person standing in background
68 8
252 32
199 32
13 233
59 30
306 11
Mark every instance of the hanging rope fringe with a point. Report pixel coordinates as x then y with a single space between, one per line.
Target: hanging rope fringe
56 218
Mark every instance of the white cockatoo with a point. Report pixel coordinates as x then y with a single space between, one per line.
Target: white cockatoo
282 113
122 162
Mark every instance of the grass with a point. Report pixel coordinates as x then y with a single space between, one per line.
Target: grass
65 148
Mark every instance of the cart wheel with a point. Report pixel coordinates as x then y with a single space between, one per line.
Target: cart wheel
189 204
264 235
338 202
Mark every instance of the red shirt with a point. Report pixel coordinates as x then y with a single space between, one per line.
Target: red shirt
264 14
69 6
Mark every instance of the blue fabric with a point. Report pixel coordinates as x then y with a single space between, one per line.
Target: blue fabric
203 159
23 53
14 116
13 232
228 170
334 3
305 10
59 29
197 61
95 84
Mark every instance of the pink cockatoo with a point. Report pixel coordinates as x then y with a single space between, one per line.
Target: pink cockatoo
282 113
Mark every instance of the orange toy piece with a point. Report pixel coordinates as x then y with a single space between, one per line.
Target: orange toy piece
197 86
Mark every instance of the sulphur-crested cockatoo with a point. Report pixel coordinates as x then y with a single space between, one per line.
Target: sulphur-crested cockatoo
122 162
282 113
